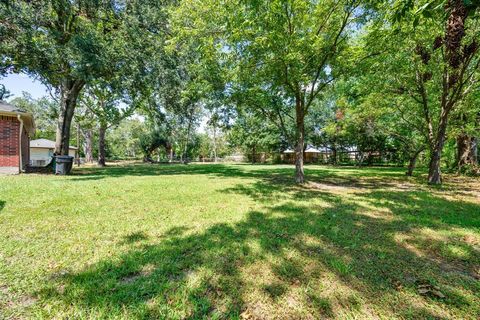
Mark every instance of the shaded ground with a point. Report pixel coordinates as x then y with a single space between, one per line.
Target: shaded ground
239 241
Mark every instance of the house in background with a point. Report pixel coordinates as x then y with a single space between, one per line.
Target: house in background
16 128
41 152
310 155
288 156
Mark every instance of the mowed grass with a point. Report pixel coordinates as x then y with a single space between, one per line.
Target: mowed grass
238 241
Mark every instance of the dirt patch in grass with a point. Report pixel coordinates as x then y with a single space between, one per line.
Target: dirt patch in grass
146 271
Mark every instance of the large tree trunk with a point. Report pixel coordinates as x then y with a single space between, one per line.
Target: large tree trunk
88 145
101 144
334 154
463 150
454 33
413 162
434 172
69 92
254 154
466 151
300 135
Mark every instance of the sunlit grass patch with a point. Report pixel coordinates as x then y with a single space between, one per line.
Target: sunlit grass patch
454 252
340 267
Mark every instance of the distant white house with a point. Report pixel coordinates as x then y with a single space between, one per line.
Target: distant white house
41 152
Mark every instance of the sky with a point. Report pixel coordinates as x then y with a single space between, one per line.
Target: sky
17 83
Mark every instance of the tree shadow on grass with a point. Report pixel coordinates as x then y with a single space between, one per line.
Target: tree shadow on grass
134 237
422 208
273 175
322 261
2 205
158 170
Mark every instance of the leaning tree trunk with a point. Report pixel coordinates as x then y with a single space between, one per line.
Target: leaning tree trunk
101 145
413 162
69 92
300 135
88 145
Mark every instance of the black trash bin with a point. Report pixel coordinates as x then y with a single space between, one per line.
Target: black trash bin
63 164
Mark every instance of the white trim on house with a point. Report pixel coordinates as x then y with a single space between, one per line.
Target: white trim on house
312 150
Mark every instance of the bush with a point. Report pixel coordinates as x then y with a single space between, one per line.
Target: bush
471 170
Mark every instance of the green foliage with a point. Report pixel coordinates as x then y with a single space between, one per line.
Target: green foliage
57 39
124 139
68 44
4 93
151 141
106 104
399 87
252 134
207 145
44 112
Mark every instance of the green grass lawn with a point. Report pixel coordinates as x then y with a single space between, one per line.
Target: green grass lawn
238 241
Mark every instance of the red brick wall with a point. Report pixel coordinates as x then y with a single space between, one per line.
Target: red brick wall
9 132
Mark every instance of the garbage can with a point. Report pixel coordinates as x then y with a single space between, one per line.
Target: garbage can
63 164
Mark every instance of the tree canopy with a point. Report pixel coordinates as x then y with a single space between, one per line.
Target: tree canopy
394 79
